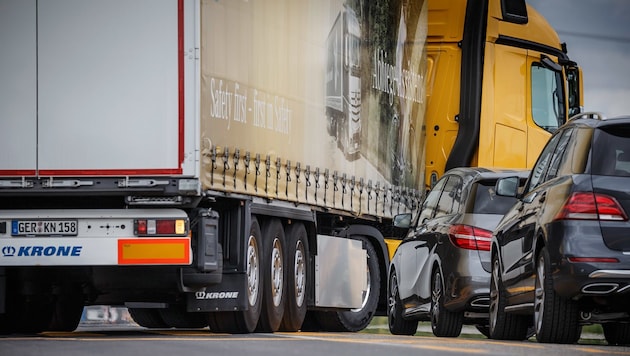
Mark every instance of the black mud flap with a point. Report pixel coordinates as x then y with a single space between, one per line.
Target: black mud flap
229 295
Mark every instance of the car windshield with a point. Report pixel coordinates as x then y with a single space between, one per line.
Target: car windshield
487 202
611 152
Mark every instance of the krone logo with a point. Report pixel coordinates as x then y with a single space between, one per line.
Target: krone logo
8 251
216 295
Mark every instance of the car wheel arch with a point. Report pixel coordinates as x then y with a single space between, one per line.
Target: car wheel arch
539 244
446 285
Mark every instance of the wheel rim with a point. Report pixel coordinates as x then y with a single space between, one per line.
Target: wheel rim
253 264
366 293
494 294
436 296
300 274
539 301
391 300
276 271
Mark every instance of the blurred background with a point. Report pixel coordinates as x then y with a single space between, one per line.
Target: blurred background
597 33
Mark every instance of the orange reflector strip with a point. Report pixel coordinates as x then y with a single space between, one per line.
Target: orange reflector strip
146 251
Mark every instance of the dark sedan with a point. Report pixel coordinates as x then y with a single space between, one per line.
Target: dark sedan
561 255
441 270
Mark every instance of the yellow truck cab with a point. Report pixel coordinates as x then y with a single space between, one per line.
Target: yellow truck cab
499 82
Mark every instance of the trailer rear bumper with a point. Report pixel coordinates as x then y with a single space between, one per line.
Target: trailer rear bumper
116 251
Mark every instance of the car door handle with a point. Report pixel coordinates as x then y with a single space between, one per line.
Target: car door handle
542 197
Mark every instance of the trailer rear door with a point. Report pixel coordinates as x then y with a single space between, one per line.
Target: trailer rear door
91 87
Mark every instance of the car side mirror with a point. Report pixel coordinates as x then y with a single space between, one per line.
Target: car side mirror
507 187
402 220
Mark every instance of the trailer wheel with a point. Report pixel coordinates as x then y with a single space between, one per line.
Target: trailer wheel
297 264
273 276
67 311
148 318
357 319
244 321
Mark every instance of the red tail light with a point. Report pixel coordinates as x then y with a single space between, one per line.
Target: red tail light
470 237
160 227
591 206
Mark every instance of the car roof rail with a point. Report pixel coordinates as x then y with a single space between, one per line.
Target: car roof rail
588 115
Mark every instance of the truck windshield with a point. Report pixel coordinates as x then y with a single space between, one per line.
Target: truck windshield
354 48
548 109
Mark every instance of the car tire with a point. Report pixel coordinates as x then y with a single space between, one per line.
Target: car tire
444 323
617 334
503 326
397 324
555 318
483 330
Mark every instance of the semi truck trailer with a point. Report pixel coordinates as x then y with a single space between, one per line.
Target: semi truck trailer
178 157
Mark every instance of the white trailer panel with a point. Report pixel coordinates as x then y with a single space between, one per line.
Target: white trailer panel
91 115
94 87
18 96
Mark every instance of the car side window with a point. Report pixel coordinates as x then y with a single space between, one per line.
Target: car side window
431 201
559 155
540 168
451 195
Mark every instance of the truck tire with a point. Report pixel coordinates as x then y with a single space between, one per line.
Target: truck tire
148 318
177 317
273 277
357 319
67 311
311 322
296 258
245 321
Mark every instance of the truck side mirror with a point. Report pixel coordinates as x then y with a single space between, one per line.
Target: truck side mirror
507 187
402 220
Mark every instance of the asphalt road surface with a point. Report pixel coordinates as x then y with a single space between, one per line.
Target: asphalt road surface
117 340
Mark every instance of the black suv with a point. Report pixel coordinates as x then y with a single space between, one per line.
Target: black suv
561 255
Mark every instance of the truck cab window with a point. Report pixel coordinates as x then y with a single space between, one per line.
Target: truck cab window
354 47
548 109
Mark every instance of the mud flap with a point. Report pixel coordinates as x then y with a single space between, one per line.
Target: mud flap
229 295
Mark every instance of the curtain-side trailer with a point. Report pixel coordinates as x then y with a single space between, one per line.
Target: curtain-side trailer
237 164
173 157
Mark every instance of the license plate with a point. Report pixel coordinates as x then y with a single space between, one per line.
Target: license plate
44 228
